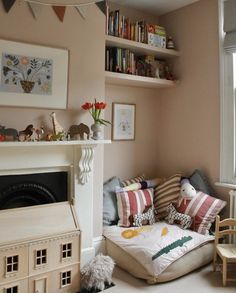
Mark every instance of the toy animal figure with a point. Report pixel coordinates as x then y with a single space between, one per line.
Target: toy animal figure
80 130
145 218
184 220
26 133
187 191
57 128
40 133
96 273
10 134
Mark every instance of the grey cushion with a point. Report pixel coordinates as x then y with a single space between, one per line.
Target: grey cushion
110 212
199 182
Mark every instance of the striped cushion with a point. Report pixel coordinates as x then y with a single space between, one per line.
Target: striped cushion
166 193
204 209
132 180
131 203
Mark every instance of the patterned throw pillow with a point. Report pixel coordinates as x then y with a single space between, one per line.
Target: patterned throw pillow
131 203
203 209
165 194
136 179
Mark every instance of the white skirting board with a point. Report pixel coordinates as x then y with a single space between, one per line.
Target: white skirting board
88 253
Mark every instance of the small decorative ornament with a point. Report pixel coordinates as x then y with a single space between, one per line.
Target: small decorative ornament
95 111
97 131
170 43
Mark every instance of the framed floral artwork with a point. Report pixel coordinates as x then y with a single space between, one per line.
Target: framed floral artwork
123 121
33 76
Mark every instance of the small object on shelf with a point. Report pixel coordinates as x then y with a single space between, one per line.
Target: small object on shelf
97 131
40 133
58 130
25 135
10 134
170 43
2 137
79 130
168 73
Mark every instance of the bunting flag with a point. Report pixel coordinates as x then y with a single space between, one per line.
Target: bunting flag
82 11
60 12
35 9
8 4
102 6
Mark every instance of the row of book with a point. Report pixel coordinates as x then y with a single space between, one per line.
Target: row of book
120 26
125 61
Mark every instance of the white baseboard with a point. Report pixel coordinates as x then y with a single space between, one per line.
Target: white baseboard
99 246
86 255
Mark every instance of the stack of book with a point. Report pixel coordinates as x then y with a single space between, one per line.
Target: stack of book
140 31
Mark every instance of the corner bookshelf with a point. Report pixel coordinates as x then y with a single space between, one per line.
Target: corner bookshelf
139 49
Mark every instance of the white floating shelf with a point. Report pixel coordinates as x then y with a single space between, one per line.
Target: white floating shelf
137 81
141 48
6 144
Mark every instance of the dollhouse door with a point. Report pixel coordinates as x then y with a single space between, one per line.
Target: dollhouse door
40 286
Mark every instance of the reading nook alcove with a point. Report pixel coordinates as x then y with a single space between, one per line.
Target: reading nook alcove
41 241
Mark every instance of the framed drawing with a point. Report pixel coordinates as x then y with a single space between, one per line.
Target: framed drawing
123 121
33 76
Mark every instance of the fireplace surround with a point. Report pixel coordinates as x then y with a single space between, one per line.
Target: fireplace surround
76 158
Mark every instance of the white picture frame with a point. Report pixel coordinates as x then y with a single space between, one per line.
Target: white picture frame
123 121
44 69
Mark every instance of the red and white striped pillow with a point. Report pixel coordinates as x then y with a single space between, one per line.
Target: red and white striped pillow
131 203
203 209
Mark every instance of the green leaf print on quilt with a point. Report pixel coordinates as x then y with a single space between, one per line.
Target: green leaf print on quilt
168 248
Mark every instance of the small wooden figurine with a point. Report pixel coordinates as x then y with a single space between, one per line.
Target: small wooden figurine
26 134
58 130
40 133
9 134
80 130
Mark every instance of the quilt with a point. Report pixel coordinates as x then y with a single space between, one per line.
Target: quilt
156 246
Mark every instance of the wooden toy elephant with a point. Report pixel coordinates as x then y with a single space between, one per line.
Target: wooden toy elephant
80 130
9 133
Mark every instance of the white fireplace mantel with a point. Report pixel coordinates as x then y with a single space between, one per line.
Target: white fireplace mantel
75 156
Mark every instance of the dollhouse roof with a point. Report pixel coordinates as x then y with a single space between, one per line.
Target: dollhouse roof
33 222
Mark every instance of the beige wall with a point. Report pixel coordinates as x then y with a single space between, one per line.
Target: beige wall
130 158
85 41
190 113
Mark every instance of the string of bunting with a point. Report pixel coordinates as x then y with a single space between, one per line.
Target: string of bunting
59 9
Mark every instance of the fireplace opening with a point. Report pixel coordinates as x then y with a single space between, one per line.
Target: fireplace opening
33 189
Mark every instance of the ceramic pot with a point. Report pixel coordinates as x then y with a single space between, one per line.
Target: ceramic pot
97 131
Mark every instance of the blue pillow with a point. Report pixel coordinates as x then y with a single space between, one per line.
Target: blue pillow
110 211
200 182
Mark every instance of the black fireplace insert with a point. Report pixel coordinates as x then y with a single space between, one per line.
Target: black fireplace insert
33 189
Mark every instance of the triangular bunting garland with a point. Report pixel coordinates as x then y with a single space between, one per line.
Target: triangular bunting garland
8 4
82 11
60 12
102 6
35 9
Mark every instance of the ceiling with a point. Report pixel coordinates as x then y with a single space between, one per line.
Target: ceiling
157 7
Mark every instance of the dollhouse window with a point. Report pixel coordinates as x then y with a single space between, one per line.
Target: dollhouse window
65 278
41 257
12 263
12 289
66 250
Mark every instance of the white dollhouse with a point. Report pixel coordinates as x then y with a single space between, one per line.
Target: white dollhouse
44 256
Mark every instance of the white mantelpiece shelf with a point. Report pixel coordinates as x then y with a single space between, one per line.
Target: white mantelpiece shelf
53 143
